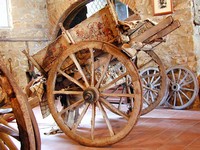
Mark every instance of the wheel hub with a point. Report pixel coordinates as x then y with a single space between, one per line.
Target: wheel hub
151 86
176 87
90 95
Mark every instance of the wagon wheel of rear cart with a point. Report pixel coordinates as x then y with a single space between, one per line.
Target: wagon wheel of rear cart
153 76
75 14
81 81
183 87
24 134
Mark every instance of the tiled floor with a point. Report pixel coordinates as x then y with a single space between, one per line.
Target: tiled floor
161 129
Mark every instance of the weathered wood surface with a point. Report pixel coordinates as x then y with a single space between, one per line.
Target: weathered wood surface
161 29
49 54
28 130
100 26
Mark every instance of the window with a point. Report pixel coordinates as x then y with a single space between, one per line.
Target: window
5 18
122 10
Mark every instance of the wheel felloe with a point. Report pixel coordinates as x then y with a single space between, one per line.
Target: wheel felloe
92 88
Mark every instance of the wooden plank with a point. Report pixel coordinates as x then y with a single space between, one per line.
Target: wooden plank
100 26
152 31
176 24
49 54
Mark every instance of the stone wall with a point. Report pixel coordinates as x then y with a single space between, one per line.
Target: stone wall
196 6
179 46
30 30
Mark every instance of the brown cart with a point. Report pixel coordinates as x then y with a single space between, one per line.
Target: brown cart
94 89
27 133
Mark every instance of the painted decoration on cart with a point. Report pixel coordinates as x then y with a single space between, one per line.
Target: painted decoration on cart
100 26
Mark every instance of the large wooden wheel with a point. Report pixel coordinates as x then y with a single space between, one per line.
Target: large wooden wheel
82 88
25 134
183 87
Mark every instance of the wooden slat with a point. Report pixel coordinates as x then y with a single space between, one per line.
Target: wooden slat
9 131
176 24
152 31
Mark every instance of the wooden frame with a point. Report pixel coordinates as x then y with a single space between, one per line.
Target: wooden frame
162 7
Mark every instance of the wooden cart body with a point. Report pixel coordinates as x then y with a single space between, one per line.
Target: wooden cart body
103 26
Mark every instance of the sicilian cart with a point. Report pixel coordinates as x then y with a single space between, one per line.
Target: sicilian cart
13 101
94 90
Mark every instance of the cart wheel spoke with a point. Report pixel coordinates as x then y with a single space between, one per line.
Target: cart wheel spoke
152 79
116 95
180 99
184 95
75 105
157 80
73 57
187 89
146 101
92 67
179 75
175 99
8 142
80 117
9 131
157 85
187 83
106 119
68 92
104 87
71 79
93 120
150 89
114 109
173 76
104 71
185 76
169 96
152 97
144 80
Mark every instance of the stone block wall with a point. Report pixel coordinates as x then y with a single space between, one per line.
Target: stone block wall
196 20
179 46
30 29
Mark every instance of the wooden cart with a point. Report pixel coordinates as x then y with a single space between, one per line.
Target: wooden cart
26 132
94 89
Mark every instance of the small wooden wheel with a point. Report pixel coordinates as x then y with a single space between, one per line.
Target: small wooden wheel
183 87
80 93
26 136
151 86
153 75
